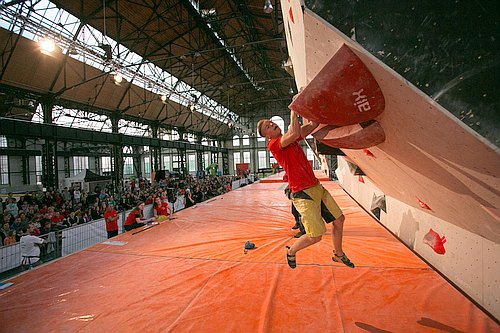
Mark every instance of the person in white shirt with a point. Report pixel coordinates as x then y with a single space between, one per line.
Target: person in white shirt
30 248
76 195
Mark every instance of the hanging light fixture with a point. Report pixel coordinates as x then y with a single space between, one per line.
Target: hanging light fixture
118 78
47 46
108 53
268 7
163 98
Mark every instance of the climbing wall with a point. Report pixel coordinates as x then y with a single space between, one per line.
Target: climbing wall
438 176
468 260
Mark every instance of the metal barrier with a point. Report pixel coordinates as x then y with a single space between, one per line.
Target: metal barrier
71 240
63 242
10 255
243 181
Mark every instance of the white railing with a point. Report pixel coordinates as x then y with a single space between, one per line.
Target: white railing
239 182
72 239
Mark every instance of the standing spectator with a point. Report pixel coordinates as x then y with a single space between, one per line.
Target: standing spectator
84 197
94 211
47 199
58 199
189 201
103 196
20 203
66 196
111 218
12 207
77 195
102 208
30 250
197 194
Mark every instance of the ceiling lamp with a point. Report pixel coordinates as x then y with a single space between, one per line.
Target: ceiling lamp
118 78
47 46
164 98
268 7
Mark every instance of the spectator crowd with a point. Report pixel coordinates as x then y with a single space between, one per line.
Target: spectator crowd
55 210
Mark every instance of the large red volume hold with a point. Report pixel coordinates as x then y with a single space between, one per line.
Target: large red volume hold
356 136
343 93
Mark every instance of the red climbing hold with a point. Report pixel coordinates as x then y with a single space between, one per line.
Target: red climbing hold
423 204
435 241
368 153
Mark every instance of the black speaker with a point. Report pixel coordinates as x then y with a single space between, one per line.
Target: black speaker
160 175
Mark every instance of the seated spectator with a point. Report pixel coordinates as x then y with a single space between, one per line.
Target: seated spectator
7 217
71 220
161 210
46 227
50 212
16 225
86 216
20 232
43 210
57 218
10 239
150 199
135 219
30 250
24 218
4 231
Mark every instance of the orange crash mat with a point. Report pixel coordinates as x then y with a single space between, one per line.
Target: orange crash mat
191 274
278 178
